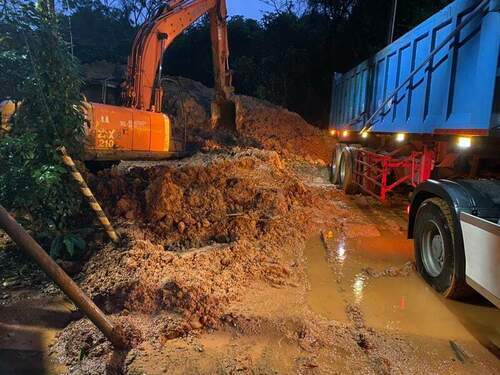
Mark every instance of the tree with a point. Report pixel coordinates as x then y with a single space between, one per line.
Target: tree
33 181
288 57
137 11
90 21
285 6
47 8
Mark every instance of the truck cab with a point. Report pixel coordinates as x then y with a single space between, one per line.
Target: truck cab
455 226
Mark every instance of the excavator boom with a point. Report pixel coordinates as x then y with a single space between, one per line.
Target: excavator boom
143 86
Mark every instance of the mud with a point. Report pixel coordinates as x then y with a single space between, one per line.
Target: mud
222 269
222 219
267 299
20 278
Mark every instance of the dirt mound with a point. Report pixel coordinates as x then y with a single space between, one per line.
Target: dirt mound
259 123
199 233
196 232
196 235
278 129
204 200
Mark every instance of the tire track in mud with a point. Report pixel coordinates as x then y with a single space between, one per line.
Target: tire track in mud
367 339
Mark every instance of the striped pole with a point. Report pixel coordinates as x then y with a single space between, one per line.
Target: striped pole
84 188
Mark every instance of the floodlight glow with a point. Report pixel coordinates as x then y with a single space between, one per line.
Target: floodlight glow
464 142
400 137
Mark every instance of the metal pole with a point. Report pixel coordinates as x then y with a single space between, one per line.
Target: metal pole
67 285
392 21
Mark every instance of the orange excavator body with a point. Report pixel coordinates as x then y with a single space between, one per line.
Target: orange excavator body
138 130
121 133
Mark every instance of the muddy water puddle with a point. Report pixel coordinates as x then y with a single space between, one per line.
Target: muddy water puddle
348 271
27 329
324 296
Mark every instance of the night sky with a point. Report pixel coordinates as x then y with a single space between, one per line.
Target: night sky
247 8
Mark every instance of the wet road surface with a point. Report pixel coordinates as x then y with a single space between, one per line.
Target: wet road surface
344 271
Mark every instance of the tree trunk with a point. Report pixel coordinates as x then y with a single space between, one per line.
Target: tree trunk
48 7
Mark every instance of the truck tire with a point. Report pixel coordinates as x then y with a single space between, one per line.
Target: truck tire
334 167
436 256
346 175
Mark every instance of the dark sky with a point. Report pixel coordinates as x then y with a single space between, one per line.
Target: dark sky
247 8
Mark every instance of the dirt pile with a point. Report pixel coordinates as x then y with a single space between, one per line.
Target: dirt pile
204 200
196 231
280 130
258 122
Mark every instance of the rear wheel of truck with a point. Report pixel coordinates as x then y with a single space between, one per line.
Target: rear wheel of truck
436 255
346 168
335 166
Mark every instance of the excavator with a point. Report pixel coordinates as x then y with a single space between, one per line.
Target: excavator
138 130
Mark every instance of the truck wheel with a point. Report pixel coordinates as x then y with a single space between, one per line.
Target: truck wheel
346 167
436 258
335 166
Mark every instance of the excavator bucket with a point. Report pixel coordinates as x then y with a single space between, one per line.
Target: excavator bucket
224 115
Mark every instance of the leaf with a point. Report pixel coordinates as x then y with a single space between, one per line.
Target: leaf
84 232
56 247
83 354
70 246
79 243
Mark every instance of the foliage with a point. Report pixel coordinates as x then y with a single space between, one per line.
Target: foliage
13 65
99 32
33 181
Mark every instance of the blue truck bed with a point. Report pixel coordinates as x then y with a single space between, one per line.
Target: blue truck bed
414 86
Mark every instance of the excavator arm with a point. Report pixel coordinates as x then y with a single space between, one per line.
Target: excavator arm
143 89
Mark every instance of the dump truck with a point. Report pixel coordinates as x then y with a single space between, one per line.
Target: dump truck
424 113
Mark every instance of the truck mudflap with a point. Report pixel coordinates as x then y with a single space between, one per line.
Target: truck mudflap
482 255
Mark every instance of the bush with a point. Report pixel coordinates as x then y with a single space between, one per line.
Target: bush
33 181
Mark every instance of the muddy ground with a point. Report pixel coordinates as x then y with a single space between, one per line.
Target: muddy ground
243 259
